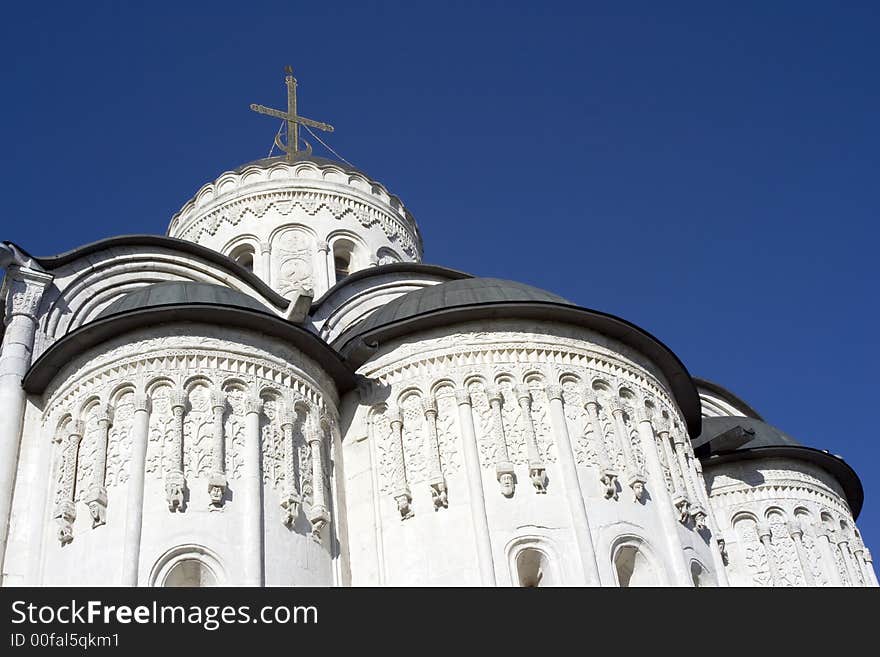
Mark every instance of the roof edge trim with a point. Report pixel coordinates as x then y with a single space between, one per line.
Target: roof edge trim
51 361
54 262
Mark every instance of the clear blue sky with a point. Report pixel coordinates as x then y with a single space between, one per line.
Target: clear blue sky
708 171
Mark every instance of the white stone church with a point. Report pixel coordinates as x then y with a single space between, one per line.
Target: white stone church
280 392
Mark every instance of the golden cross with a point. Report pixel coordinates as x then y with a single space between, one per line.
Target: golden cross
291 146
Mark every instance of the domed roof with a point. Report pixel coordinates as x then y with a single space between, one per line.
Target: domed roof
184 301
173 293
733 433
731 438
482 299
455 294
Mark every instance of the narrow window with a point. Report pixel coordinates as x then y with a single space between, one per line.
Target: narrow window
700 576
533 569
190 573
342 258
244 256
633 569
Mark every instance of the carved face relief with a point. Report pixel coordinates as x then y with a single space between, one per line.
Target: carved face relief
638 490
507 484
216 494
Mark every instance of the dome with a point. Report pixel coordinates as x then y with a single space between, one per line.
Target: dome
456 294
175 293
300 224
481 299
727 439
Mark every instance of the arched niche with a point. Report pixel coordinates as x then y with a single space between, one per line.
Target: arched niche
533 569
191 566
701 577
190 573
634 568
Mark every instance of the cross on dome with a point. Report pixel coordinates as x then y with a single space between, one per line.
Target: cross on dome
293 121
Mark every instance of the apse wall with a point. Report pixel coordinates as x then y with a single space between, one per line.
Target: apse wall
786 522
521 453
180 444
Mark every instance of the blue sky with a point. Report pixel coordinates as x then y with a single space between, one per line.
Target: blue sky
708 170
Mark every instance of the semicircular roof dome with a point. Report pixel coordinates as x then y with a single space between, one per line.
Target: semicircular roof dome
480 299
463 292
174 293
731 438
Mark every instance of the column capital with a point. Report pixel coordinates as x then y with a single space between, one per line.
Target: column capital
252 404
104 414
590 397
218 401
661 423
265 248
763 531
462 396
615 407
523 394
795 530
76 431
287 417
429 405
178 399
141 401
494 394
641 414
23 292
394 416
323 246
554 391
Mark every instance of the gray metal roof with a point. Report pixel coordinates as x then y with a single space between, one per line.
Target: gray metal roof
184 302
728 439
416 268
728 396
729 433
172 243
180 293
463 292
482 299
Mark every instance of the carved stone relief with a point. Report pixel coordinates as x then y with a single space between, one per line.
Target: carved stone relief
293 253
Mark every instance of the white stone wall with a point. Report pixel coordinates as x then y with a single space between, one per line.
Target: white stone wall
291 218
785 522
429 502
239 415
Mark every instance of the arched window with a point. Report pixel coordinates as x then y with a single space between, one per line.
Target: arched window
700 576
244 256
188 566
190 573
533 568
633 568
342 258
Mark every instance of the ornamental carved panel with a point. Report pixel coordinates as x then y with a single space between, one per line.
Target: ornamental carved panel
272 437
293 253
414 439
754 554
448 440
233 431
119 441
88 448
198 430
484 425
